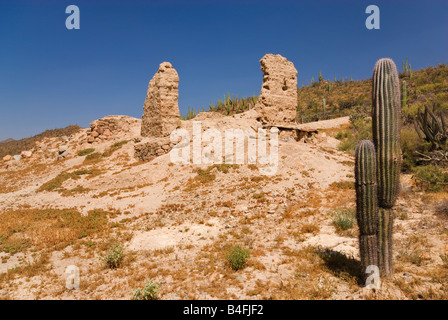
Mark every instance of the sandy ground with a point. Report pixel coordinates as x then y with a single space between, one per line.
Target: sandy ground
177 229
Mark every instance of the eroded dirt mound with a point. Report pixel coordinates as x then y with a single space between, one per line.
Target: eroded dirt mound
177 222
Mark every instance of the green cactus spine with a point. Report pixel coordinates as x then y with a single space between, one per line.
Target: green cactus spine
366 203
386 125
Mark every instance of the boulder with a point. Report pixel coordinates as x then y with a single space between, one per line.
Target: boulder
62 149
26 154
64 154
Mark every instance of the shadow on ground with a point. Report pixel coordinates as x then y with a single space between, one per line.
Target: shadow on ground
340 265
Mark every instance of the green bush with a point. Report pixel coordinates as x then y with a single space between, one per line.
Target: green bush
85 152
411 143
344 219
238 257
149 292
93 157
361 129
431 177
347 103
114 257
444 258
114 147
441 209
56 183
340 135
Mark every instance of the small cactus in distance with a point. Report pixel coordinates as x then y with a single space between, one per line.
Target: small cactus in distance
320 76
324 107
404 94
407 69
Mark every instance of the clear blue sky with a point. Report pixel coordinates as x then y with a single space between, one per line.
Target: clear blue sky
51 77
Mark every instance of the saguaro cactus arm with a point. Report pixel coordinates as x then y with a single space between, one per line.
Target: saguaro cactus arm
366 203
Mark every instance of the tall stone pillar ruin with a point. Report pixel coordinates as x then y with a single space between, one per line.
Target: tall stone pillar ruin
161 110
277 103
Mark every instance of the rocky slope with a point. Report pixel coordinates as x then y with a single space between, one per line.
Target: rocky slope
67 200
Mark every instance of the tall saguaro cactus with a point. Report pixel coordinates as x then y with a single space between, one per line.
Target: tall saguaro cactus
386 125
366 202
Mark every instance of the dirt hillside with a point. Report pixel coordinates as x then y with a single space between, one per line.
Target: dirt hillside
68 200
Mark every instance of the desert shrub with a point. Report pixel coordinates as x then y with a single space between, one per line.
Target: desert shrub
85 152
415 256
442 100
410 111
14 246
56 183
309 228
223 167
346 103
361 129
93 156
114 256
444 258
114 147
344 185
344 219
340 135
149 292
76 190
411 145
348 144
431 177
48 227
237 257
441 209
204 176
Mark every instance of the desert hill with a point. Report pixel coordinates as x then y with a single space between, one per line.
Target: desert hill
7 140
187 217
87 199
12 147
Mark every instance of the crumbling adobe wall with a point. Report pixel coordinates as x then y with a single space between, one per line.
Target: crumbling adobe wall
277 102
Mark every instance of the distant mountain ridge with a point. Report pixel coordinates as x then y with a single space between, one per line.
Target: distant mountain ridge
7 140
12 147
